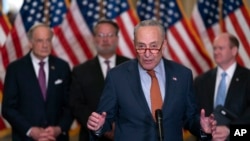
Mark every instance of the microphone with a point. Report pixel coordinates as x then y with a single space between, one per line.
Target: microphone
158 116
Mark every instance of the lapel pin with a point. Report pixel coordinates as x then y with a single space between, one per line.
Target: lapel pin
237 79
174 78
52 67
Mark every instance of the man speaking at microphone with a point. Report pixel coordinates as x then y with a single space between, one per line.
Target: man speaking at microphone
135 89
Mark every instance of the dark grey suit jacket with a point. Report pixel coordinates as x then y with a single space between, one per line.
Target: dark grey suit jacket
23 104
238 95
85 92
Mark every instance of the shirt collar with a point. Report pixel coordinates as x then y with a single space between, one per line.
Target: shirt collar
36 60
229 71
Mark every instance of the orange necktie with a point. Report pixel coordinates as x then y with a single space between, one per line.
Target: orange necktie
155 93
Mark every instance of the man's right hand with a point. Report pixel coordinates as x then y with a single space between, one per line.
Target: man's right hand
96 121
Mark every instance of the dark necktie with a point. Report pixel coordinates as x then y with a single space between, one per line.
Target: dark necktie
42 79
155 93
107 62
221 92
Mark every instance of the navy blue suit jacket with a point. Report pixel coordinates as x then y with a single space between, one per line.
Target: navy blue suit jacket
125 103
23 104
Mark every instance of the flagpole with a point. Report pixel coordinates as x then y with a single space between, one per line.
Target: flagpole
101 5
220 3
157 10
46 12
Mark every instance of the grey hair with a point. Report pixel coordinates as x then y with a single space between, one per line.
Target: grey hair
150 23
35 26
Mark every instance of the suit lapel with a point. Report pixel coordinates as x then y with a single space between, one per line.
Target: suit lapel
52 73
33 78
233 84
211 87
135 84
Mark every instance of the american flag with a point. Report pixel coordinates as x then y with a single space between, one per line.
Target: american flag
4 30
212 17
72 26
184 46
85 13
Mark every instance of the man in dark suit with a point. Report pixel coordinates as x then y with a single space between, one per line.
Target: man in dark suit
237 94
34 110
88 78
126 99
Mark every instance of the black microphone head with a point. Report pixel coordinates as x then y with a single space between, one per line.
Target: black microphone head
158 114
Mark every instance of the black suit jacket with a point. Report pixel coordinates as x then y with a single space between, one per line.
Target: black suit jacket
23 103
85 92
238 95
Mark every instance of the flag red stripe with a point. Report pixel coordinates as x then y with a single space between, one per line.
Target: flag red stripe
246 15
125 35
239 32
5 57
78 35
173 54
132 16
204 56
17 44
185 48
65 45
4 25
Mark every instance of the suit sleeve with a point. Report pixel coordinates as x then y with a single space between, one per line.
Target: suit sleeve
10 103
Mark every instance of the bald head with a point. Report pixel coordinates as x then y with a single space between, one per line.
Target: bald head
225 50
228 38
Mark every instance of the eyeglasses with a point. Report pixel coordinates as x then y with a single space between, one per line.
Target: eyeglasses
103 35
153 48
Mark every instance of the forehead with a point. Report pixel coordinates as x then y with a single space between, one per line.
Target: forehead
222 40
40 31
105 27
148 34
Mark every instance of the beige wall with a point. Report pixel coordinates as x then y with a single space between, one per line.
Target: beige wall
188 5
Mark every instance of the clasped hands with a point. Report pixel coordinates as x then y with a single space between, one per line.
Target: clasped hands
45 134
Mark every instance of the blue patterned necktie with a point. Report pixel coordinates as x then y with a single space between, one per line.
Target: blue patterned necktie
221 92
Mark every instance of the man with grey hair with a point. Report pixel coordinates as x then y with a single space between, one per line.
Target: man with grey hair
36 91
137 91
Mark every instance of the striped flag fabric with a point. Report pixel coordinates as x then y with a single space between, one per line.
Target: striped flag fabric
30 13
212 17
83 14
184 46
4 30
72 24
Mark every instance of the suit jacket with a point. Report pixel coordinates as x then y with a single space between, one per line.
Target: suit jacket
238 95
124 101
23 103
85 92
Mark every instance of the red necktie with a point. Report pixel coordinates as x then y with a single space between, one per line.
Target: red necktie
42 79
155 93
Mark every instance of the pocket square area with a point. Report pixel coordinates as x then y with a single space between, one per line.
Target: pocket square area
58 81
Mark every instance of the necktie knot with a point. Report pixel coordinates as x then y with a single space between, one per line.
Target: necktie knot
151 73
41 63
107 62
223 75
